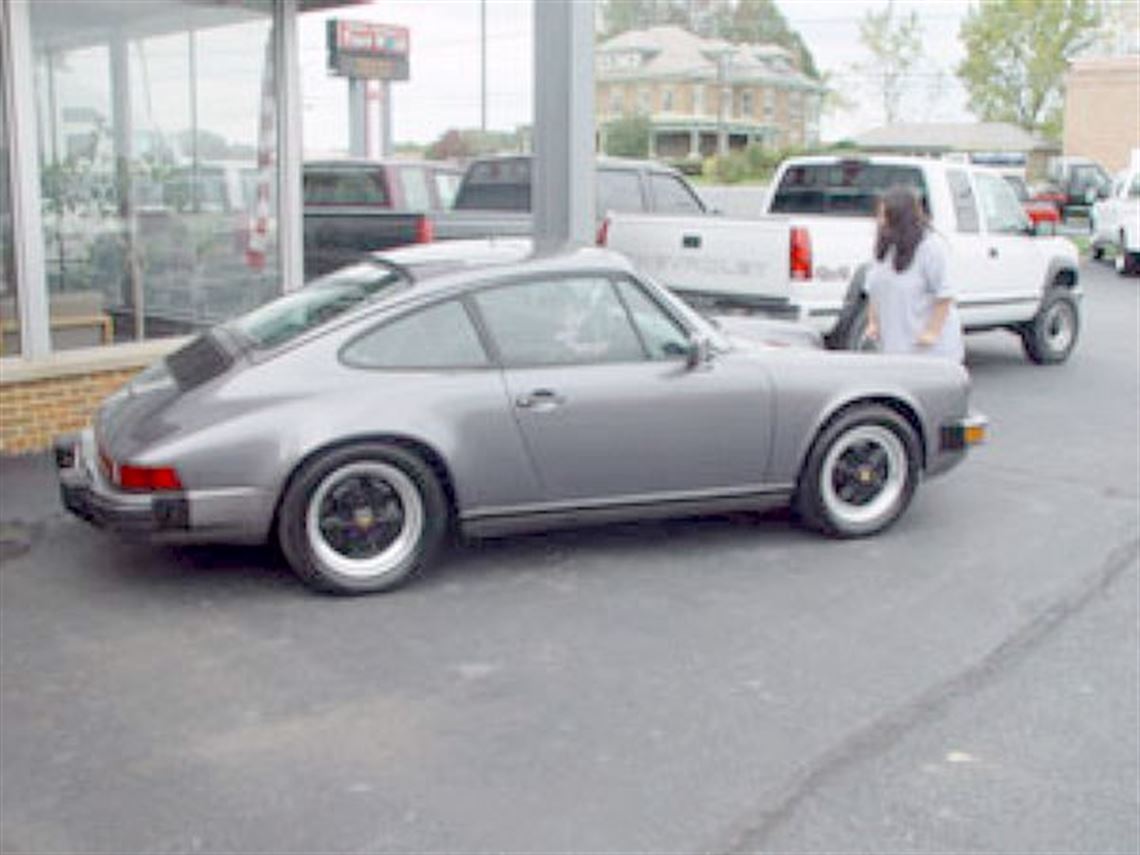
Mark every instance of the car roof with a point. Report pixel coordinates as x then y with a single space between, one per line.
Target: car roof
604 161
432 273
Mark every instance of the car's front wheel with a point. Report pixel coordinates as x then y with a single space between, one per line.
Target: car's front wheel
1052 334
860 474
1127 263
362 518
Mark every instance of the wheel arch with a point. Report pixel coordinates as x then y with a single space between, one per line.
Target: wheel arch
1061 273
904 408
424 450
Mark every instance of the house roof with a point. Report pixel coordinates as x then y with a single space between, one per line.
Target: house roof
672 53
952 136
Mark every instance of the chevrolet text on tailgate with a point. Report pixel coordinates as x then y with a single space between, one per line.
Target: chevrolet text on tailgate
804 259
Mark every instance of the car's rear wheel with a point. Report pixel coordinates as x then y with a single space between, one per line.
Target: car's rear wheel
860 474
362 518
1052 334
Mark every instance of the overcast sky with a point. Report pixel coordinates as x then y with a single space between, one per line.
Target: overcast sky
443 91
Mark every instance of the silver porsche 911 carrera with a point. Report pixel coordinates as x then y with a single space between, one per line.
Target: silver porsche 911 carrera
360 419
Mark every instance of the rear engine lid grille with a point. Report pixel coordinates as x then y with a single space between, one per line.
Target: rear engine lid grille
200 361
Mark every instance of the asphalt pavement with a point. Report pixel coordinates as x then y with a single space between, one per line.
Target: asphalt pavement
967 682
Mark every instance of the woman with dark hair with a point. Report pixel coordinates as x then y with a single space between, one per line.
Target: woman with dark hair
911 306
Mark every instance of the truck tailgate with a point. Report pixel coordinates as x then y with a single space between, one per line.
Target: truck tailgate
734 261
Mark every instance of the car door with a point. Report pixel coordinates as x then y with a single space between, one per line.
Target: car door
596 370
1012 272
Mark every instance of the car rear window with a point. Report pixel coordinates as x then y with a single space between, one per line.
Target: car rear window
844 188
497 185
317 303
345 187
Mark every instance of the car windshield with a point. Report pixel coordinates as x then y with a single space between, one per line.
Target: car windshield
317 303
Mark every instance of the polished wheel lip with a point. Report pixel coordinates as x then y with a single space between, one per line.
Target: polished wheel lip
395 555
1059 325
878 506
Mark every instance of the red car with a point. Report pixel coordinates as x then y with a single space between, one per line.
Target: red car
1042 213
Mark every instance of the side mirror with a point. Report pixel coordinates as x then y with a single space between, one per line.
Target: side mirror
698 353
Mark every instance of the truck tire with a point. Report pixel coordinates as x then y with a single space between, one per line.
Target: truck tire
1050 337
1127 263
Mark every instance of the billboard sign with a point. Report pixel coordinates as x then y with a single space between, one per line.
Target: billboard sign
364 50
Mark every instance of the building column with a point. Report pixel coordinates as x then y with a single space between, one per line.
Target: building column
18 89
562 187
290 233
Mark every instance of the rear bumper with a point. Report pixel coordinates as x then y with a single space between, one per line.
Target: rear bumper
86 493
229 515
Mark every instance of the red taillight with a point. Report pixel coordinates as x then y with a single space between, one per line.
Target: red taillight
148 479
425 233
603 232
799 253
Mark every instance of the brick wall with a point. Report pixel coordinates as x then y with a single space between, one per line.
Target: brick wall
32 412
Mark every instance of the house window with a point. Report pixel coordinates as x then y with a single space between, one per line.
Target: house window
644 100
769 104
746 103
667 101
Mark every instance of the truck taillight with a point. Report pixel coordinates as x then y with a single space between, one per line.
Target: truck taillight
603 232
799 253
424 231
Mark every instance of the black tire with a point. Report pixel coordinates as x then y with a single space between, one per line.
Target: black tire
1127 263
362 518
860 474
1050 337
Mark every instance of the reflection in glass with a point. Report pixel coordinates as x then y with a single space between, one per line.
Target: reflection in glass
157 142
9 309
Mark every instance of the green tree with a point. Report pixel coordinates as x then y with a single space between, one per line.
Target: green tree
628 137
895 45
761 22
1017 52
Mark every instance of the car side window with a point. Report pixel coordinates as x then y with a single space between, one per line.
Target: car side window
1000 208
662 336
439 336
965 208
618 190
562 321
671 196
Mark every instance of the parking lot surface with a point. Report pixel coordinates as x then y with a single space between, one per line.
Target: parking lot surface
967 681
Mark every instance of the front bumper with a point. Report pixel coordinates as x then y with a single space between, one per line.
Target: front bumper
960 434
85 492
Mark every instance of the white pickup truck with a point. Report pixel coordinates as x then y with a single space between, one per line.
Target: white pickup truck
1115 222
803 261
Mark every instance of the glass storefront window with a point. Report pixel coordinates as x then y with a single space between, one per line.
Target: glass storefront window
9 308
157 139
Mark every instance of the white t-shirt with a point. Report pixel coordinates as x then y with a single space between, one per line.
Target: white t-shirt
904 301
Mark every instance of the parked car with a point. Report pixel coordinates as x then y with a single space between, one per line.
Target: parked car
1074 183
494 196
800 260
352 207
1043 215
357 420
1115 222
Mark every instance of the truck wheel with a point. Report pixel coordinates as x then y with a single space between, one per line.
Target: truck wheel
361 519
1127 263
1050 337
860 474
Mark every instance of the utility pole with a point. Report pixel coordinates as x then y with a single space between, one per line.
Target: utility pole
483 66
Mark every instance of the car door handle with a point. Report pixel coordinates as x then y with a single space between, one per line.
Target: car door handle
540 399
690 241
993 252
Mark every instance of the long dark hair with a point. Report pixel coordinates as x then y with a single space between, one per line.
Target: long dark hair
902 225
